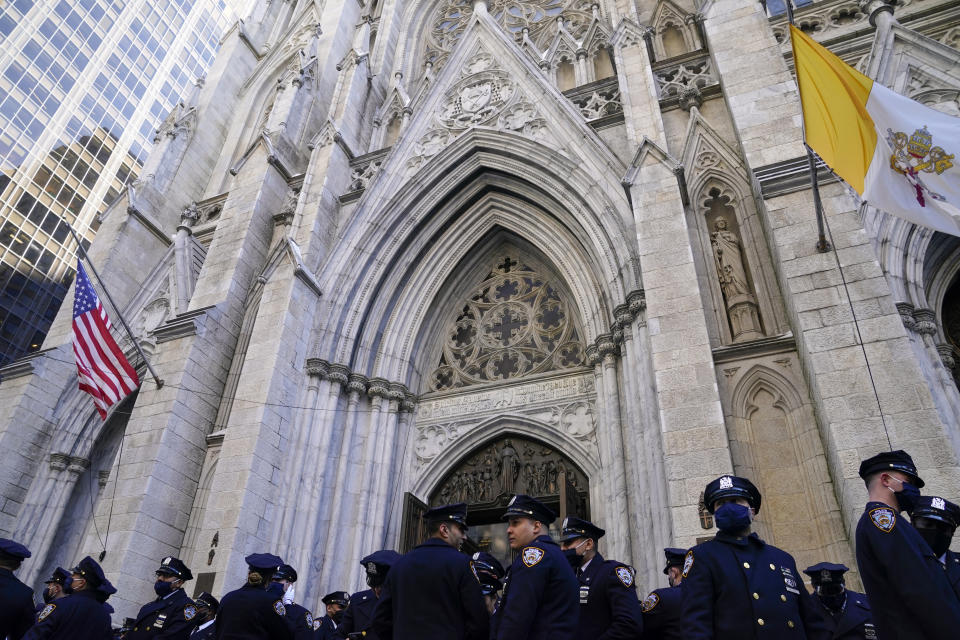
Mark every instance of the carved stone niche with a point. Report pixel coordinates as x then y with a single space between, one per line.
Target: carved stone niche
488 477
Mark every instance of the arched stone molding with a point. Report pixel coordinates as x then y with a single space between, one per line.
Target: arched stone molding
576 217
197 553
775 441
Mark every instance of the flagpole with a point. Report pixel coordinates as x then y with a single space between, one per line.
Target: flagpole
822 245
103 287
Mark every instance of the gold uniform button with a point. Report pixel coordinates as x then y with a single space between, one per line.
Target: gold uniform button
760 621
790 623
756 596
784 598
773 567
746 565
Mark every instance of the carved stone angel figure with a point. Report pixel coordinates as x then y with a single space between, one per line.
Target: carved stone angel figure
729 260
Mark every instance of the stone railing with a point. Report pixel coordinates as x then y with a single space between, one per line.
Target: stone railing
362 170
598 101
685 80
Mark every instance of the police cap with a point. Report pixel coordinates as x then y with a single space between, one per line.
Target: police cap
898 460
171 566
489 572
826 573
448 513
731 486
574 528
936 508
13 550
527 507
285 572
59 576
380 561
263 561
675 558
341 598
89 570
204 599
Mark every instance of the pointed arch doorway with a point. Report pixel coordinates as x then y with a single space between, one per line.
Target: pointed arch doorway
487 477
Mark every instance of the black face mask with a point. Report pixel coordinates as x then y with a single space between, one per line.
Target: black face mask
938 540
573 558
337 617
47 596
833 601
375 580
907 497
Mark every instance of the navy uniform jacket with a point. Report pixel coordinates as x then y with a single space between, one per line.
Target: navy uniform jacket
539 599
854 622
358 615
609 609
79 616
739 588
251 613
327 629
431 593
661 614
202 634
908 589
16 606
952 567
301 621
170 618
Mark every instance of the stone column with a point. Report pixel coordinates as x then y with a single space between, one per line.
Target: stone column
373 462
388 461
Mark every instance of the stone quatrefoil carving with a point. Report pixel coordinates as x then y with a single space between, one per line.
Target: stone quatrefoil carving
513 324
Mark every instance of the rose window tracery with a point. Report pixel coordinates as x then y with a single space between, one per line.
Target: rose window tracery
537 16
514 323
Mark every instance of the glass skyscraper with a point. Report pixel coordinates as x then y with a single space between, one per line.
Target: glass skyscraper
83 86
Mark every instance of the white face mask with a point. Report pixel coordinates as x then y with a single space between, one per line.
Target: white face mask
289 594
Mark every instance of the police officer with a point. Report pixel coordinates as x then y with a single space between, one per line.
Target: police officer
431 593
490 574
847 613
16 598
357 617
662 607
540 592
736 586
936 520
252 612
909 593
609 607
335 603
299 617
81 615
55 587
207 607
172 614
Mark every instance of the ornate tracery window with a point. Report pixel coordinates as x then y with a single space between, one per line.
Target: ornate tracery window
516 322
537 16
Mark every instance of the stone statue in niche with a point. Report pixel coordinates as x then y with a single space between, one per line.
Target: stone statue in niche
741 304
509 467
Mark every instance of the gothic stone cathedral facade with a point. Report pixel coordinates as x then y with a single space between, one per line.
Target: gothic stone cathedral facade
403 252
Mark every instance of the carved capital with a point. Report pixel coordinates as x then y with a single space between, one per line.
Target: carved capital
617 333
624 315
317 367
77 465
946 355
398 391
102 476
339 374
637 302
690 97
875 8
905 309
59 461
607 346
357 383
378 387
593 355
409 403
926 321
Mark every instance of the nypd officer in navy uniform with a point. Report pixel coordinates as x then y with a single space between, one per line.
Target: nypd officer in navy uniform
335 602
299 617
662 607
909 592
81 615
207 607
539 599
736 586
253 612
609 608
16 598
936 520
55 587
490 573
171 615
431 593
358 616
846 612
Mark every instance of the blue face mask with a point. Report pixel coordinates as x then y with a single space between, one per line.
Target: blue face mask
732 517
276 588
907 497
68 585
162 588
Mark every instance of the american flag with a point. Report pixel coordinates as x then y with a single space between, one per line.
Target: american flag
102 369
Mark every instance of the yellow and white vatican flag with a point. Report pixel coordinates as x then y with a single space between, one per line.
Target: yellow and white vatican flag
895 152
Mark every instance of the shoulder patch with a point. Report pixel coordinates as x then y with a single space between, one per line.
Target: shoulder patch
883 518
309 619
279 609
625 576
47 610
189 612
650 602
688 563
532 556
